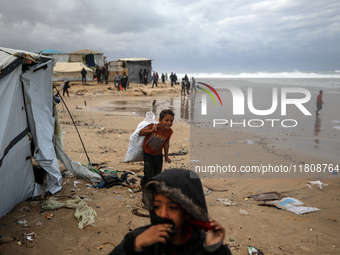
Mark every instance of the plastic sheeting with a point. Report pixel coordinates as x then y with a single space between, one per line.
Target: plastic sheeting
26 120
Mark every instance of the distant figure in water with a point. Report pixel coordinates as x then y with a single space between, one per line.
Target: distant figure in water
319 102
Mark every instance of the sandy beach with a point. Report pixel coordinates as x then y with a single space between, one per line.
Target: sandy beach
106 118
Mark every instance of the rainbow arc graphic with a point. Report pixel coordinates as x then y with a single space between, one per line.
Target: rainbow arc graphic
209 93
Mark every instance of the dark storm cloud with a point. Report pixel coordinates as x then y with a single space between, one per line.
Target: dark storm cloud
196 35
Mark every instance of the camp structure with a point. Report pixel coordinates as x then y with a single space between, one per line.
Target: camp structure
71 71
57 55
26 127
89 57
131 66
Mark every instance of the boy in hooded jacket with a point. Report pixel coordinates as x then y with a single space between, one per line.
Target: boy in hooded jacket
179 219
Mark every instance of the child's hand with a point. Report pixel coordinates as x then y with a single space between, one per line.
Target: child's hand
154 234
215 236
154 127
167 160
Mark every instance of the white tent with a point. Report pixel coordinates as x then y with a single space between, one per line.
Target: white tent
26 127
71 71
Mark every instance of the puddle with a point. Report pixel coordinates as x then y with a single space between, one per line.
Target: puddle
181 106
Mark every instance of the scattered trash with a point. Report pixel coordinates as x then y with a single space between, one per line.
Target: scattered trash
25 208
31 236
85 215
254 251
248 142
137 212
266 196
75 183
179 153
292 205
225 201
195 160
319 183
214 188
49 216
130 190
244 212
336 128
53 204
208 192
22 222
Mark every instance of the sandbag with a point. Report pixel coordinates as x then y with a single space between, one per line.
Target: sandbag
135 149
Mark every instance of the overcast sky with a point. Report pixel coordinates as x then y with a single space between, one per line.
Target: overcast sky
184 36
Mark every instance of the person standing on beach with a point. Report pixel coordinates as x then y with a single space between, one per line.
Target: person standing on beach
124 80
163 78
64 87
154 80
116 80
173 79
140 76
83 75
145 73
319 102
157 137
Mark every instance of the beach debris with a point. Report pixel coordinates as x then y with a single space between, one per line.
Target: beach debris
208 192
75 183
292 205
266 196
318 183
52 204
25 208
195 161
254 251
31 236
243 212
85 215
179 153
136 211
335 121
49 216
337 128
225 201
215 188
22 222
248 142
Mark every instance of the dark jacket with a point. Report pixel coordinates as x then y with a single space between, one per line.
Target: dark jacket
185 188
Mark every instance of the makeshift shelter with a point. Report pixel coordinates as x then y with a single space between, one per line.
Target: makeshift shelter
131 66
87 55
57 55
26 127
71 71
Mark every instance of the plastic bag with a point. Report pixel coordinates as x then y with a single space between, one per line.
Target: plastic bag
135 149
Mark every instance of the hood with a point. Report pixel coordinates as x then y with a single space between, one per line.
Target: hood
182 186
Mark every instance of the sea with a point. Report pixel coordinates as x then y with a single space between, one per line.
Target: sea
279 107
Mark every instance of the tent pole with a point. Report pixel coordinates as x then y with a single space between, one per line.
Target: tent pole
74 126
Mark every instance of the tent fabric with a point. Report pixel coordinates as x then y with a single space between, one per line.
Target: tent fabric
70 71
26 122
